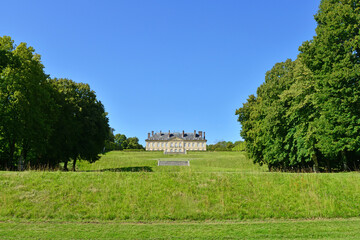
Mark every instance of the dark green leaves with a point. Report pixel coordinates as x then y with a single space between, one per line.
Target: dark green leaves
44 122
306 113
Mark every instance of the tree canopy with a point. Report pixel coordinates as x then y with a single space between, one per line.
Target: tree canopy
44 121
306 113
121 142
226 146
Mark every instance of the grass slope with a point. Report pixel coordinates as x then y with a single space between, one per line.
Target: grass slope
217 186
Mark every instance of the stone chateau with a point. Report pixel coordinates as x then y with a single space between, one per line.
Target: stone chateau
176 142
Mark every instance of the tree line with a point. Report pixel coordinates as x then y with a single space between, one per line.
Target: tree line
226 146
306 115
121 142
45 121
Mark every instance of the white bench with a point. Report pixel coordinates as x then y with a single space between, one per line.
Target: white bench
173 163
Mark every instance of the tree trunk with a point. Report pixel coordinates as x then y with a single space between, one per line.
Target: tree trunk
328 168
74 165
24 153
316 163
11 154
65 166
345 165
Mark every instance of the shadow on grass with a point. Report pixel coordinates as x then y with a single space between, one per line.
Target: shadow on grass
124 169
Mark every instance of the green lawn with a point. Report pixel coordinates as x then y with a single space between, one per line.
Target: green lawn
199 161
313 229
128 187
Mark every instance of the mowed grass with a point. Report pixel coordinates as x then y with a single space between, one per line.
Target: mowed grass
125 186
314 229
199 161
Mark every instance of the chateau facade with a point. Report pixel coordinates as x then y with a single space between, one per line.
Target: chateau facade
176 142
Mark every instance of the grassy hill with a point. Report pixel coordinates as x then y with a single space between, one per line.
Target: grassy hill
218 186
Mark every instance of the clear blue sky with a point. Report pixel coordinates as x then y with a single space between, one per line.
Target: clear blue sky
164 64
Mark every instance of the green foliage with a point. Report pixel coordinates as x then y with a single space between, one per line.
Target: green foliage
239 146
121 142
133 143
43 121
226 146
220 146
26 106
306 114
82 126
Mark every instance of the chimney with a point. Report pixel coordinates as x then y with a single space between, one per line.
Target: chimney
200 134
160 133
183 133
169 133
152 133
204 135
194 133
148 135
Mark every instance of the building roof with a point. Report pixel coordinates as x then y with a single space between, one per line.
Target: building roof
165 136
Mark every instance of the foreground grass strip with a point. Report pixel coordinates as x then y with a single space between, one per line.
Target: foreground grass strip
314 229
127 187
147 196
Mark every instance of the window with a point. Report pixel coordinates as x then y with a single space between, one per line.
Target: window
162 144
193 144
171 145
179 144
175 144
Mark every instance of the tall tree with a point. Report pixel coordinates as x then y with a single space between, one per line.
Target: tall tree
25 103
82 127
307 112
334 58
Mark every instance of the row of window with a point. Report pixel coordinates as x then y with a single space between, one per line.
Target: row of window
176 150
176 145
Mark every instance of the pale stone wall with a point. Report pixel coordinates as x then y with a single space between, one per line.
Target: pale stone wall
176 145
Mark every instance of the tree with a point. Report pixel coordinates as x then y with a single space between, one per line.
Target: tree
263 118
82 128
133 143
25 104
334 58
306 114
110 144
45 121
121 141
220 146
239 146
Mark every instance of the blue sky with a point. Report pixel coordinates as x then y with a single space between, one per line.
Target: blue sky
164 64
